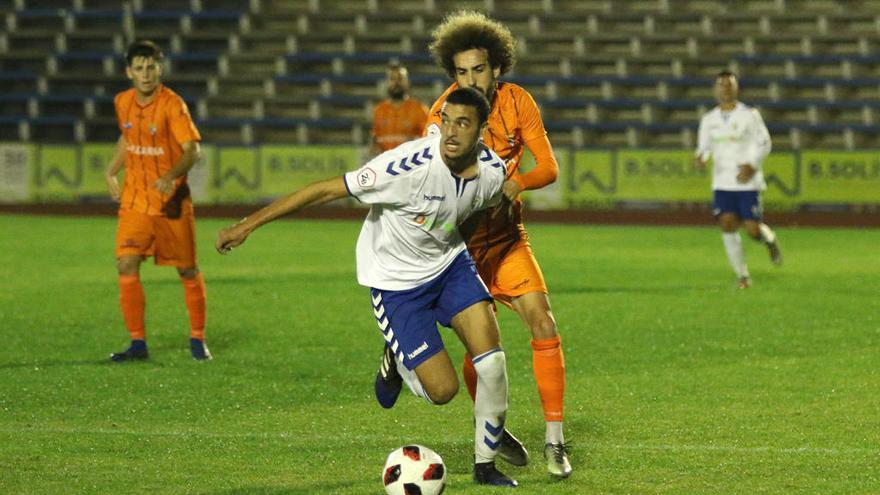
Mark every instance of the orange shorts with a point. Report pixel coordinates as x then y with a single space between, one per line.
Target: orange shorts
170 242
515 274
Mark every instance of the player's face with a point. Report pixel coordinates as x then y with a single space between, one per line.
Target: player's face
726 89
459 130
472 70
145 73
398 83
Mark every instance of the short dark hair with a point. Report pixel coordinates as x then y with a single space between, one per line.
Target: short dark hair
143 48
726 73
472 98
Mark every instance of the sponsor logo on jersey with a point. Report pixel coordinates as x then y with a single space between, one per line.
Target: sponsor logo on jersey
435 197
420 349
145 150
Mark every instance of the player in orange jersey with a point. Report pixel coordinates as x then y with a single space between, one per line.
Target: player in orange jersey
399 118
475 51
158 146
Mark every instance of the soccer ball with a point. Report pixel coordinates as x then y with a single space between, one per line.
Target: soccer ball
414 470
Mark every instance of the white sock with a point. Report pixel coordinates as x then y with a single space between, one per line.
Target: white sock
767 234
411 379
554 432
490 405
735 254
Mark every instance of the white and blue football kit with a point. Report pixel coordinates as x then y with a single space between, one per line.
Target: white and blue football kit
733 138
409 252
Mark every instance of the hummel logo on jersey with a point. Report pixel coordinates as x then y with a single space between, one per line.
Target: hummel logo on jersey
435 198
420 349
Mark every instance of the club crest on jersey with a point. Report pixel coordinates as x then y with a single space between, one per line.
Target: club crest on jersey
366 178
127 125
153 129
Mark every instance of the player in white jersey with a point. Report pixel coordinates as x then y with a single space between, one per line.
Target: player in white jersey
735 137
412 257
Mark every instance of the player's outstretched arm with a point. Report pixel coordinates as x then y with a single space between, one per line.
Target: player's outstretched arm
116 163
315 193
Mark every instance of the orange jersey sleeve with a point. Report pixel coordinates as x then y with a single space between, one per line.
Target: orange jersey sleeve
154 133
394 125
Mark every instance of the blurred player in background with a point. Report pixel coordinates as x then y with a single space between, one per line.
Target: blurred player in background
475 51
412 257
735 137
399 118
158 146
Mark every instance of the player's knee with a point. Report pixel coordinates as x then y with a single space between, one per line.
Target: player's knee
443 392
127 265
544 327
188 272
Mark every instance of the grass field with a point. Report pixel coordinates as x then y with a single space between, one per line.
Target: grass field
678 383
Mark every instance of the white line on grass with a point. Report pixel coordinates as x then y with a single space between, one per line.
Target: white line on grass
348 438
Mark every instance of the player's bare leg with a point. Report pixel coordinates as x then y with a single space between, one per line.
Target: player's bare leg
478 330
729 224
548 365
132 303
762 233
194 295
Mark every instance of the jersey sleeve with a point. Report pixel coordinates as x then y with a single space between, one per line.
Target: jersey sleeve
704 143
377 183
760 144
179 120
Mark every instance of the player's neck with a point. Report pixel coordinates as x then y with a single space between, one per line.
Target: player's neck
147 98
727 106
399 100
464 166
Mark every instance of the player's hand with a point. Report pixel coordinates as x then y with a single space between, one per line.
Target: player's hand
746 172
113 187
231 237
164 185
511 189
699 164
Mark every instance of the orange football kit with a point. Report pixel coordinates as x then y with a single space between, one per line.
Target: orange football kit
151 223
394 125
500 245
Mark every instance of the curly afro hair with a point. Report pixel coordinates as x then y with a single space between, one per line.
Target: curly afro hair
468 29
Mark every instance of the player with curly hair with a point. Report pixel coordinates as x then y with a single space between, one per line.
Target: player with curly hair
475 51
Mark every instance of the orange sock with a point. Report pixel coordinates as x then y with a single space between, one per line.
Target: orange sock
194 294
470 375
548 364
132 302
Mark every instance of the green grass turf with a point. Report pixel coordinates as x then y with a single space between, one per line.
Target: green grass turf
677 382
